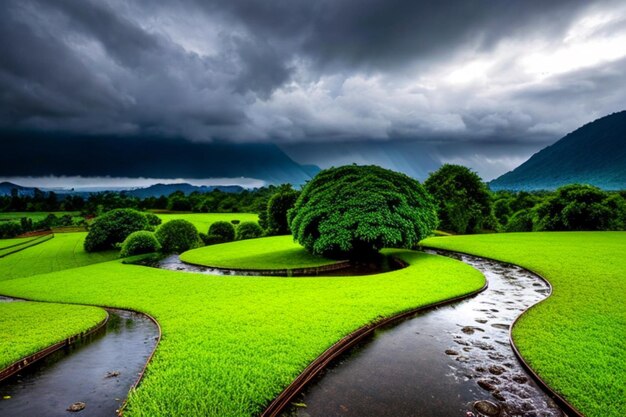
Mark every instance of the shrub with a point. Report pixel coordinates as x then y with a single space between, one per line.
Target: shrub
113 227
177 236
249 230
354 211
223 231
463 199
153 219
139 242
211 239
9 229
235 222
277 207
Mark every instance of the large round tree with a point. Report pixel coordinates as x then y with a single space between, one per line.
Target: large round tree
354 211
463 198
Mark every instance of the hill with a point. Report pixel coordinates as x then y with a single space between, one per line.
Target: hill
593 154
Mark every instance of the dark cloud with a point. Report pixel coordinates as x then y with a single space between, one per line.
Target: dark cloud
467 72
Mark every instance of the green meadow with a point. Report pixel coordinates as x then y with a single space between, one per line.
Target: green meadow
575 339
231 344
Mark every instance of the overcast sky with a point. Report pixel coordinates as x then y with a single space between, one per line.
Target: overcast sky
500 79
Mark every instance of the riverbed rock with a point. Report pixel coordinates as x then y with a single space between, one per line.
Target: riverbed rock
471 329
500 326
487 408
112 374
77 406
496 369
520 379
486 385
451 352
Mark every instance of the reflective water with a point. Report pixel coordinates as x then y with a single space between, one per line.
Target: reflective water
98 371
440 362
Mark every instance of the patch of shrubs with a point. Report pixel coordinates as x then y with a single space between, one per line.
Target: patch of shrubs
177 236
114 227
138 243
220 232
248 230
153 219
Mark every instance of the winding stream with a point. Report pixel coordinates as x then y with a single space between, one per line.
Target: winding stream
98 371
454 360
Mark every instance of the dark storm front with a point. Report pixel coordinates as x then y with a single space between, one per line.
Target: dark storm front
97 371
454 360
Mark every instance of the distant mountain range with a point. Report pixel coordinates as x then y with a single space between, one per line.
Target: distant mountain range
593 154
156 190
37 154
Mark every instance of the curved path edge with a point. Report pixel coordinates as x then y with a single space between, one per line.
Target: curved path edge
26 361
73 339
558 398
340 347
291 272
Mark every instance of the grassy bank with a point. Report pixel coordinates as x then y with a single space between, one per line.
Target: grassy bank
231 344
27 327
63 252
575 339
278 252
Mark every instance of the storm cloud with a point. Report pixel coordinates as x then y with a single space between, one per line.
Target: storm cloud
477 75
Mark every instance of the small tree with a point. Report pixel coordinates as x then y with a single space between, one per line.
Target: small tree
220 232
277 207
354 211
248 230
463 199
153 219
138 243
113 227
177 236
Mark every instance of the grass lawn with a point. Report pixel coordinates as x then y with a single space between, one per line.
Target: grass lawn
62 252
278 252
27 327
231 344
36 215
12 243
202 221
576 339
23 243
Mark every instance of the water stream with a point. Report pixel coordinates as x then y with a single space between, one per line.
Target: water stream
454 360
97 371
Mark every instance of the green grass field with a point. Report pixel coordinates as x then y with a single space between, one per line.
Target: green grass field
202 221
231 344
64 251
11 243
35 215
22 243
27 327
575 339
278 252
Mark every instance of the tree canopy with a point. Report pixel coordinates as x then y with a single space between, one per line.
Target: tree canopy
354 211
463 199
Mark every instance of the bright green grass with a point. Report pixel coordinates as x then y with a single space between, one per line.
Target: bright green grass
62 252
36 215
7 243
32 241
278 252
231 344
202 221
576 339
27 327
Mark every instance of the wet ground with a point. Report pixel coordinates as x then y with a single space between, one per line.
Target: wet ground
454 360
384 264
97 371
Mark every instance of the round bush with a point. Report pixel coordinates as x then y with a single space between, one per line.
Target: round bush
249 230
113 227
153 219
177 236
277 207
354 211
139 242
222 230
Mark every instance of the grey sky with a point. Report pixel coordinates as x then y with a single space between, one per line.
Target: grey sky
474 76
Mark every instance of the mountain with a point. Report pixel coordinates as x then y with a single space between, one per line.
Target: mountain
43 154
157 190
7 187
593 154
